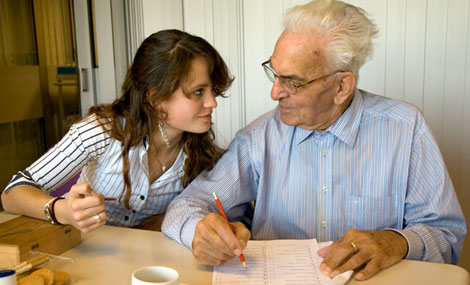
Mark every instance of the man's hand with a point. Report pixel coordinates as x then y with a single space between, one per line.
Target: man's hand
216 242
374 249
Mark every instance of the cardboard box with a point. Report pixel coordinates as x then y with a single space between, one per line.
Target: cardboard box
20 235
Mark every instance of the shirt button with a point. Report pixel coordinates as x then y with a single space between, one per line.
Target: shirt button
126 218
324 224
133 211
325 189
142 197
325 153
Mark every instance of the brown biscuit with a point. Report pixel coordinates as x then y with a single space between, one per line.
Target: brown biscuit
47 275
31 280
61 278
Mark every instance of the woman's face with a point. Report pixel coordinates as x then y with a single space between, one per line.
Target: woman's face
191 114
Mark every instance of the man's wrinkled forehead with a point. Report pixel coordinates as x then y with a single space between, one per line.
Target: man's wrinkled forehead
294 48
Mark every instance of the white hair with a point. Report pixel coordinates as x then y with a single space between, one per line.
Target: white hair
347 30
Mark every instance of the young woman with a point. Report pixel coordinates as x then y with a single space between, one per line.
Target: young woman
136 154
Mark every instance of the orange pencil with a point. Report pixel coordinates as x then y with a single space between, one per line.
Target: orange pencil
105 198
222 212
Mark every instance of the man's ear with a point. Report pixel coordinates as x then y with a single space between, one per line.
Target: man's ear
346 87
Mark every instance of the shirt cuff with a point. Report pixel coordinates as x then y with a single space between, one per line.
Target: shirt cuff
415 244
187 234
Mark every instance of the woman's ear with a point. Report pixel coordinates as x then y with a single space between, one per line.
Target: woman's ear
346 87
148 95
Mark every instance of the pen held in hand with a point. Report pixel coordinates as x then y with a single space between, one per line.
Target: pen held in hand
105 198
222 212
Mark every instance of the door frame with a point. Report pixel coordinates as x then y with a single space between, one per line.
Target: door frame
95 53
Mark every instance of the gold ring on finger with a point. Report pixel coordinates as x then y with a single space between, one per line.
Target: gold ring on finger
354 246
97 218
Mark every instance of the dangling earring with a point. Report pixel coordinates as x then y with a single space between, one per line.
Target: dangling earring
162 128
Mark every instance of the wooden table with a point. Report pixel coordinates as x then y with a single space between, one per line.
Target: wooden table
109 255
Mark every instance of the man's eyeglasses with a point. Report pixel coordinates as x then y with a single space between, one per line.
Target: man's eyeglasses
288 84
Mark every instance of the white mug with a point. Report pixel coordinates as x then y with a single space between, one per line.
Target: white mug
7 277
155 275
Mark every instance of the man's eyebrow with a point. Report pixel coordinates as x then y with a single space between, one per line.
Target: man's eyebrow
292 77
288 76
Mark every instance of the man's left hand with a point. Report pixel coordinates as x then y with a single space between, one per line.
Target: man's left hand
374 249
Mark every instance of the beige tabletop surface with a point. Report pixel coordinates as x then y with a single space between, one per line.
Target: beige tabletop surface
109 255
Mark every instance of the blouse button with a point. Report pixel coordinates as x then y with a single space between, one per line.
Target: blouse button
142 197
126 218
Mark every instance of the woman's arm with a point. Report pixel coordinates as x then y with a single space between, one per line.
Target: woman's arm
26 193
25 200
79 209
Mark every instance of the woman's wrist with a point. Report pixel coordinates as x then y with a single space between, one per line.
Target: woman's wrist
58 211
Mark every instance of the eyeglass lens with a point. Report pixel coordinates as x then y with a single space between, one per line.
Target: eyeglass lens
271 74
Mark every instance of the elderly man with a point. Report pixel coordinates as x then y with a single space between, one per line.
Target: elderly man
331 162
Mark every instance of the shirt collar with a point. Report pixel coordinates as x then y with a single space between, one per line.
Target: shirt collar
175 168
145 143
345 128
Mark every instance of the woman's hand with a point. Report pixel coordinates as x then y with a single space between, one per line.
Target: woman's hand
83 208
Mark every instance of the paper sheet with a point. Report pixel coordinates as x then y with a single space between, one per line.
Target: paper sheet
277 262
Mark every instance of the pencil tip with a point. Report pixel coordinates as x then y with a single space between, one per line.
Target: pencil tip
244 264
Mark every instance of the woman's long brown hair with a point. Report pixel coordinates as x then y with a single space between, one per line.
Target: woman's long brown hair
161 66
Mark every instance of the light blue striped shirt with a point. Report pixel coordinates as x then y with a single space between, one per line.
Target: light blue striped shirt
378 166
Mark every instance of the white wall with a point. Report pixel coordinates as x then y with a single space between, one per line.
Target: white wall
162 14
420 57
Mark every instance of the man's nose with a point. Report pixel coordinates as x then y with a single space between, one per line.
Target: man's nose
278 91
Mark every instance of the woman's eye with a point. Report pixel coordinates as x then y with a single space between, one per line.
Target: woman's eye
198 92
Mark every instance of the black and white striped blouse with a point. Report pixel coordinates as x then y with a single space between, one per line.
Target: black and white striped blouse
87 147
